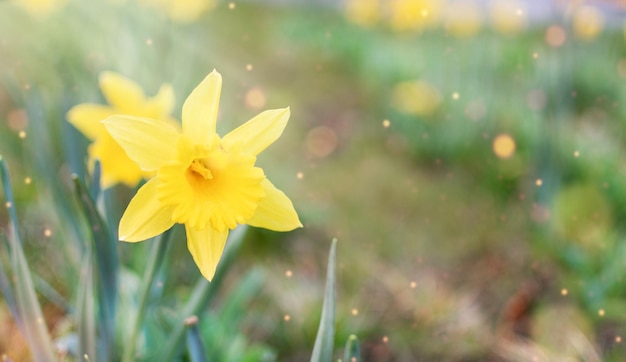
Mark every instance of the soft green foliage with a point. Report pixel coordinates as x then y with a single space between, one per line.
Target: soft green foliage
21 295
104 248
325 340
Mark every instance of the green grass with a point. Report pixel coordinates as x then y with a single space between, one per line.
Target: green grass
439 238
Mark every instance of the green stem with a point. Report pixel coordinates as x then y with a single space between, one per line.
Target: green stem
154 262
201 296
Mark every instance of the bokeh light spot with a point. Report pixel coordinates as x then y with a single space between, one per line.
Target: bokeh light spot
17 120
255 98
503 146
555 36
321 141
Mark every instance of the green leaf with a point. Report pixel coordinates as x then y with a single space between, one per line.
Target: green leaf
107 263
28 308
94 190
324 342
352 353
202 294
8 195
157 254
194 342
7 292
85 311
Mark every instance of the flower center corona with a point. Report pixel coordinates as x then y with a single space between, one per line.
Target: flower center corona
218 188
199 167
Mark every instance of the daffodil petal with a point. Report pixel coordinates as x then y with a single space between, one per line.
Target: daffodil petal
206 247
148 142
145 216
122 93
200 109
165 98
161 105
86 118
259 132
275 211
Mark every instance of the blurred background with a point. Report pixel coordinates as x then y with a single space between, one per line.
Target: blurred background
468 156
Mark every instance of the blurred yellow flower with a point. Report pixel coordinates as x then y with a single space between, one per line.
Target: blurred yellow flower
124 97
414 14
363 12
184 11
587 22
40 8
417 98
209 184
507 16
462 19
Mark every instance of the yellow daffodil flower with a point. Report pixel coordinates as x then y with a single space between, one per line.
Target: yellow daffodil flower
508 16
183 11
414 14
124 97
209 184
587 22
363 12
417 97
41 8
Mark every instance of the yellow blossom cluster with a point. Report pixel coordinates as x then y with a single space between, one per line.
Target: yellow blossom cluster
208 183
459 18
184 11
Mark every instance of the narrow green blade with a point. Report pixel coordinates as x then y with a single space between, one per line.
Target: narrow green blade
157 254
324 342
8 195
352 353
28 307
105 248
195 347
9 296
94 189
202 295
86 320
